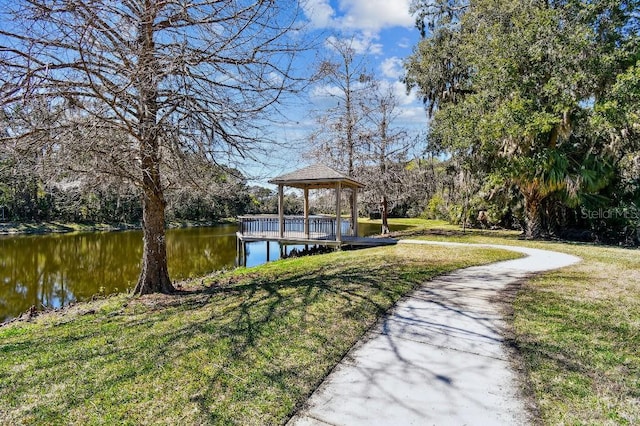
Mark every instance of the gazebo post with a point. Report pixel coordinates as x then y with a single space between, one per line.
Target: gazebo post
354 211
338 216
281 209
306 212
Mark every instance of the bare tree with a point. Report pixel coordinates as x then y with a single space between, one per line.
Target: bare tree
387 150
139 82
340 133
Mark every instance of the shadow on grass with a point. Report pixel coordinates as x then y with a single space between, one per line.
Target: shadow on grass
300 326
580 349
252 349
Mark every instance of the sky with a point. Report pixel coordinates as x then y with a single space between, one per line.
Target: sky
383 32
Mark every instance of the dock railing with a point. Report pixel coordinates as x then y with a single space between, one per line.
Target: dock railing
318 227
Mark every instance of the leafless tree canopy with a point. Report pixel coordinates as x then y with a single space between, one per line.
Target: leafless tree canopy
359 134
132 85
340 132
200 74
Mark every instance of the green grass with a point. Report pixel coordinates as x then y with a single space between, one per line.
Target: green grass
579 332
245 347
60 227
577 329
415 225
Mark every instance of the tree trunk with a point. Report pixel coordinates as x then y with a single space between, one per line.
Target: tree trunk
385 215
154 277
533 212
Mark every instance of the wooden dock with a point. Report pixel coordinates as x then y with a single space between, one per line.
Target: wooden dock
301 239
297 230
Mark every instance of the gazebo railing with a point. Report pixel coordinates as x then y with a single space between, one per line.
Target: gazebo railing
320 227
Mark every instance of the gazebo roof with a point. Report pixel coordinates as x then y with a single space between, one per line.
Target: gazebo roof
316 176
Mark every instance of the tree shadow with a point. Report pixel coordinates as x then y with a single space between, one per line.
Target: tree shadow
279 336
446 341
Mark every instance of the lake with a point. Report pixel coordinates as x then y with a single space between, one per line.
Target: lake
54 270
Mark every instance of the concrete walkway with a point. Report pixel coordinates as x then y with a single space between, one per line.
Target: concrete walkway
440 358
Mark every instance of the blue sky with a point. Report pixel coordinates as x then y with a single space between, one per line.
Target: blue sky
384 32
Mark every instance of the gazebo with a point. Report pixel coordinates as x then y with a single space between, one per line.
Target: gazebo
318 229
319 176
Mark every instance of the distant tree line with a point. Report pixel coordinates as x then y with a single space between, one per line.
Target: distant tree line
28 195
429 187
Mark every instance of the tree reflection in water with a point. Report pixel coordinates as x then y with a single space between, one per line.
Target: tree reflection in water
54 270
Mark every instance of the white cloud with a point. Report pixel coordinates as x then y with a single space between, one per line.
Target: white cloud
319 12
404 43
361 43
367 15
413 117
375 14
392 67
325 91
275 79
400 92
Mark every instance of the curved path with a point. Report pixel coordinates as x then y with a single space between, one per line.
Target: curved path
439 358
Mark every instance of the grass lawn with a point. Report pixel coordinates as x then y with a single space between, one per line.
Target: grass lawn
578 329
579 332
245 347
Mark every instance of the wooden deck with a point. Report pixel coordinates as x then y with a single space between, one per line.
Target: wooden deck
299 238
316 230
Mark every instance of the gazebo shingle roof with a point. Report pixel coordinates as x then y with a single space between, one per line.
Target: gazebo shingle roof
315 176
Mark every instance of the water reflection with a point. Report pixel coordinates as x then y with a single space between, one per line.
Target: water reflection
57 269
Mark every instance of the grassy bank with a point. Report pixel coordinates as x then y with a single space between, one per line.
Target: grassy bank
245 347
578 329
61 227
